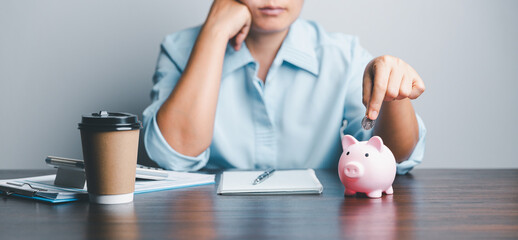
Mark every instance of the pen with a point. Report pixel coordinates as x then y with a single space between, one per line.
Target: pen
266 174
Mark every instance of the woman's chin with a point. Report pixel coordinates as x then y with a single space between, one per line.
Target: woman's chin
271 28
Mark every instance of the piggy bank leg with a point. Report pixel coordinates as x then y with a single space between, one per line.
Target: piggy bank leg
374 194
389 190
349 192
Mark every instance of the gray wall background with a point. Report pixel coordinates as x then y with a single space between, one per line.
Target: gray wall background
60 59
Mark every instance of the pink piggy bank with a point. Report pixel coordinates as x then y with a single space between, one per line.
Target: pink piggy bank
368 167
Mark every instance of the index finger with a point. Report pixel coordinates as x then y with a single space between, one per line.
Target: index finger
367 85
381 75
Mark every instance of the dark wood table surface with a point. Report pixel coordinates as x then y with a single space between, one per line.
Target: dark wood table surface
427 204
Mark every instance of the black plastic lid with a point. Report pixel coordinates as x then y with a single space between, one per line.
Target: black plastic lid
110 121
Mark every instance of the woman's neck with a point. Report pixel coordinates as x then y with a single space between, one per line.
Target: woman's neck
264 48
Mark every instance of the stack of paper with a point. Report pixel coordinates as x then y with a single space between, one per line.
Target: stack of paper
42 187
280 182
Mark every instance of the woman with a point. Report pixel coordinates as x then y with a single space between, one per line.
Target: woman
256 87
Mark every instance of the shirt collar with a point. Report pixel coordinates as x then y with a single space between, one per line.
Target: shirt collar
236 59
297 49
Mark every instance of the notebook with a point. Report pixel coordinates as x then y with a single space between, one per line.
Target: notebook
280 182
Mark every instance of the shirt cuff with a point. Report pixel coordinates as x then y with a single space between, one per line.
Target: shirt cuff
417 155
164 155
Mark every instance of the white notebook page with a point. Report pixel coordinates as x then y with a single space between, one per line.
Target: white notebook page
281 181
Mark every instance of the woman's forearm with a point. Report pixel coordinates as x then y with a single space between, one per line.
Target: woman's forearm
397 126
186 119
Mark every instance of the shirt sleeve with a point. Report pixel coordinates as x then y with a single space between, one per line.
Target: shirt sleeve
354 110
418 154
166 76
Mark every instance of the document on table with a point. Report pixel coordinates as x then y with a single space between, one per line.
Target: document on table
42 187
280 182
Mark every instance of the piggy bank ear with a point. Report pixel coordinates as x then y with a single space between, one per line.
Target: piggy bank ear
376 142
347 141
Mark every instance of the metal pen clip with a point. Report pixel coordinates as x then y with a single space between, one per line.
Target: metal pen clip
19 189
28 184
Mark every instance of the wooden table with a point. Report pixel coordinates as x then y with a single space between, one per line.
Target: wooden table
428 204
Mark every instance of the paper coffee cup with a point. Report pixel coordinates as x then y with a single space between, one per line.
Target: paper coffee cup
110 149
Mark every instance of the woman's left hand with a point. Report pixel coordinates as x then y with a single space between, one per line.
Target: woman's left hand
388 78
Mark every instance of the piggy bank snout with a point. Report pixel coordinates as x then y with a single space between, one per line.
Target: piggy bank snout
353 170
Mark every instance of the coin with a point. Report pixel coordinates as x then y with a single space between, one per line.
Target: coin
367 123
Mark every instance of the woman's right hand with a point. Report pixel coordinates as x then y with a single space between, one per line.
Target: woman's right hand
231 18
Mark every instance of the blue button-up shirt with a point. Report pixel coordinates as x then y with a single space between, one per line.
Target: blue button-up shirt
312 95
